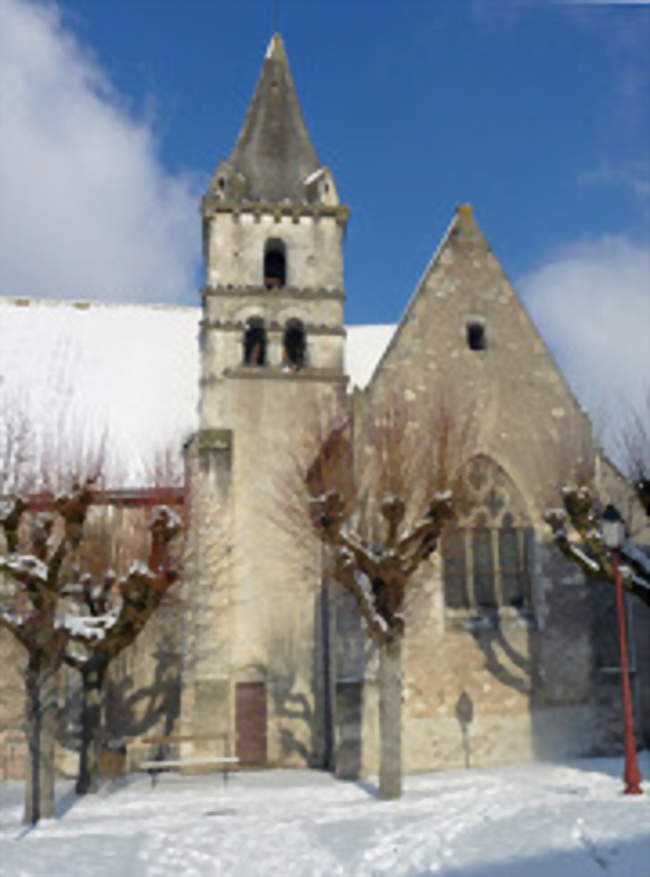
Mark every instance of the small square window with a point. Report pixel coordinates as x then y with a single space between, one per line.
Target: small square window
476 339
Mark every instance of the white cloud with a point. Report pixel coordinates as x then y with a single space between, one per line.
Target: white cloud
591 302
634 176
87 210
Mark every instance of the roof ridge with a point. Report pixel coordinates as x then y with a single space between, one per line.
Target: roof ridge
87 304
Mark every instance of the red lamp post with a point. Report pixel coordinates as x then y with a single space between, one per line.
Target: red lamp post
613 528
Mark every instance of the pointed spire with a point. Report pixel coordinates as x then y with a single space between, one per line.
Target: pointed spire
274 152
276 50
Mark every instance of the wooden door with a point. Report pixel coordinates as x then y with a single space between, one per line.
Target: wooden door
250 722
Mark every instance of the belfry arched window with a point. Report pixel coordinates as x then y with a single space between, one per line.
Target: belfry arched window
255 342
294 345
487 553
275 264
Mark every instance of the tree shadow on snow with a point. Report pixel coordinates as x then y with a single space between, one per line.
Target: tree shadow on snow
65 803
371 789
591 858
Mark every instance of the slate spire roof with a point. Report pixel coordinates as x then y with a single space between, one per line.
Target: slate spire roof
274 151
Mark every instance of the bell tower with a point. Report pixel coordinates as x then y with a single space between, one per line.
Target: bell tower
272 235
271 347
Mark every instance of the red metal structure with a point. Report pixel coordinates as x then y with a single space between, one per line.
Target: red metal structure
631 774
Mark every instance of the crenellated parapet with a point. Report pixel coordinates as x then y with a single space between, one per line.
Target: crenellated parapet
211 205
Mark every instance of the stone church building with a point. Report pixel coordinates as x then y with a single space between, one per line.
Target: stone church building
509 653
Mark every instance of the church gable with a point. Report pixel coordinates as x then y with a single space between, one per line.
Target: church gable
466 334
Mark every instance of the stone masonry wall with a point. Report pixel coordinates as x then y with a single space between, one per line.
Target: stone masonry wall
515 685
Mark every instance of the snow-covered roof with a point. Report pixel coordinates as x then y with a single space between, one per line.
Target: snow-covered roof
363 349
128 371
82 370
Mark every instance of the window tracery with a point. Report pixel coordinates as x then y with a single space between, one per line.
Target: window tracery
487 554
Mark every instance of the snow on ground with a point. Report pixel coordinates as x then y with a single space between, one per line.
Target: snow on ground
564 820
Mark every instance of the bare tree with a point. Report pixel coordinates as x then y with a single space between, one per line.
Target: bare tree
16 447
576 526
165 467
634 444
34 621
381 490
60 614
58 608
113 612
580 516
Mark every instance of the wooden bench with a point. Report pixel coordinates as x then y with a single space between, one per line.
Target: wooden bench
155 766
160 762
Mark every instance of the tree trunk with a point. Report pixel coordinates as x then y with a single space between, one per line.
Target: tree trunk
41 731
390 720
93 676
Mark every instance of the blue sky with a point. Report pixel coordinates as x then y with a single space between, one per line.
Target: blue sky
115 112
536 113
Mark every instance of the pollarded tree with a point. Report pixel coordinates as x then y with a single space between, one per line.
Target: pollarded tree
377 576
379 502
577 533
576 526
32 615
59 614
112 613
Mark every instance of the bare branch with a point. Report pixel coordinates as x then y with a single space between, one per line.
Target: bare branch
130 601
11 512
589 551
634 444
26 570
15 625
380 497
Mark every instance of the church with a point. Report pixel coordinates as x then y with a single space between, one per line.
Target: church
509 653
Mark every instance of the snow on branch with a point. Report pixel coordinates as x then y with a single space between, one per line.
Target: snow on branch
118 609
632 553
25 568
15 623
576 532
377 575
87 627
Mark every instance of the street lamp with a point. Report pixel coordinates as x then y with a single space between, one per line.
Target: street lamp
613 530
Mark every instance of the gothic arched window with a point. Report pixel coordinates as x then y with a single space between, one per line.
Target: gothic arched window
294 345
515 552
255 343
275 264
483 565
487 554
455 578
